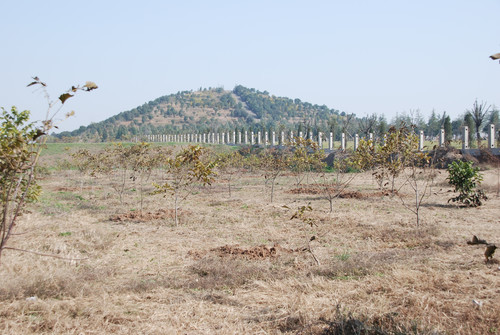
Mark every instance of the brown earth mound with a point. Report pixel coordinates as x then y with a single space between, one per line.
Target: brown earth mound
487 157
147 216
319 189
258 252
70 189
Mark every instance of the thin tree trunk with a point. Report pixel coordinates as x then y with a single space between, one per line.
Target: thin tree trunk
416 204
142 196
175 209
498 179
272 189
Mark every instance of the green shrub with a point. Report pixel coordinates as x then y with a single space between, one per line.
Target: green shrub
465 178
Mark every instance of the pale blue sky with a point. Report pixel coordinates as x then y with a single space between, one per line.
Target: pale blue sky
360 57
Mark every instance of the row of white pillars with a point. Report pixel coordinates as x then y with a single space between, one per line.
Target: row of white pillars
491 137
223 138
237 137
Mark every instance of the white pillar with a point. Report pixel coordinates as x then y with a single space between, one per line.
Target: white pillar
266 138
320 141
252 138
223 138
330 141
300 134
282 142
274 139
465 138
491 136
421 141
356 142
258 138
239 137
246 137
342 142
291 136
441 138
311 136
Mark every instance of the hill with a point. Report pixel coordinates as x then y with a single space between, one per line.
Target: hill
212 109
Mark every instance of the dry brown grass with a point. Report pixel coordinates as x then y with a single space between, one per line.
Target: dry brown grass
378 270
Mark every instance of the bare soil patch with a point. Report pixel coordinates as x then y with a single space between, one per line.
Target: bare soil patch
257 252
137 216
320 189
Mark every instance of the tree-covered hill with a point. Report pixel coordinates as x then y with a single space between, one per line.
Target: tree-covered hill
212 109
218 110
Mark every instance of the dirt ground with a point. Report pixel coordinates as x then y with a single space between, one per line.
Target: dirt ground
241 265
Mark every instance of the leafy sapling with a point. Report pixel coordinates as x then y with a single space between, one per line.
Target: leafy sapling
465 179
302 213
21 143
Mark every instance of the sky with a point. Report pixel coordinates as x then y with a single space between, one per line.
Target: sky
363 57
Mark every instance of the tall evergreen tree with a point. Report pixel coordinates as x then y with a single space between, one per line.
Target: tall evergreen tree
448 130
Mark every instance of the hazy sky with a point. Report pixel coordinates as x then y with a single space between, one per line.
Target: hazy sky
360 57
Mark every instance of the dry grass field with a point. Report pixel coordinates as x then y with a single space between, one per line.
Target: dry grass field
240 265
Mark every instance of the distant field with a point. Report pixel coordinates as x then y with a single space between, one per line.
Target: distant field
58 148
62 148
